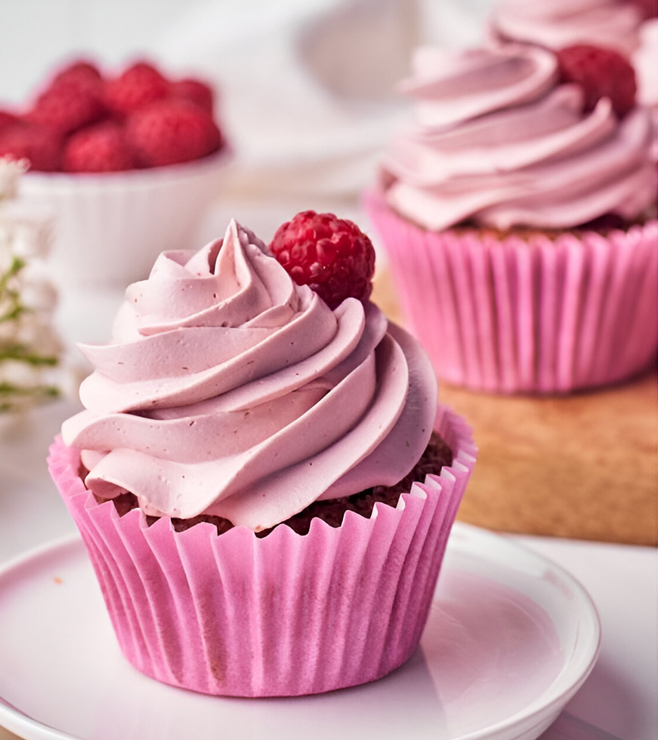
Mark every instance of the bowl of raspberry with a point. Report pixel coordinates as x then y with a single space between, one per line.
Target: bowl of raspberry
126 165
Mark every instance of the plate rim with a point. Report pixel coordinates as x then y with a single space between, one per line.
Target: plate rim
17 721
527 714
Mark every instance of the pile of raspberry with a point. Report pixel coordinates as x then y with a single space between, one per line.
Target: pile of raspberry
85 121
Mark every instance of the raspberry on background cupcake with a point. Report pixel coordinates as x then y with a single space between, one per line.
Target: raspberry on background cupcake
265 484
520 221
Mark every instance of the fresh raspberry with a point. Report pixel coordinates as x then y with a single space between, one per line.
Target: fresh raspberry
648 8
171 131
601 73
81 73
38 145
100 148
329 254
7 120
66 107
194 91
138 86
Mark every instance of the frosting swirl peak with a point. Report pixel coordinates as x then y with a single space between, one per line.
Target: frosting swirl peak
227 389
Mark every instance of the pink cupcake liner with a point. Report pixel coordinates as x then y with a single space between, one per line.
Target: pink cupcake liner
526 315
282 615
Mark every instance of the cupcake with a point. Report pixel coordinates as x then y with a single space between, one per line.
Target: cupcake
121 161
518 213
265 484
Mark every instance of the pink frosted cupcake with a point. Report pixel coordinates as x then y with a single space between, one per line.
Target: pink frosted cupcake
520 221
249 478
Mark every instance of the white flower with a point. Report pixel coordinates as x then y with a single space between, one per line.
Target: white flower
38 293
10 171
30 234
30 348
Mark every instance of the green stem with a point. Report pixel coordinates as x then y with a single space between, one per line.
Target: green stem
17 264
20 353
7 390
13 313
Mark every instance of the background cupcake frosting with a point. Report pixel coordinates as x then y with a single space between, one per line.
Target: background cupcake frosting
558 23
499 141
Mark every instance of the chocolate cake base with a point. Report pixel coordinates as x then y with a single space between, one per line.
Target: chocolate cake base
436 455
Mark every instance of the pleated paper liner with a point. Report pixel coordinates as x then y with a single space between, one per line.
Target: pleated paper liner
281 615
535 314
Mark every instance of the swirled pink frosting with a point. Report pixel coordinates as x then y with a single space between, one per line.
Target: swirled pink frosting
559 23
645 61
228 389
498 141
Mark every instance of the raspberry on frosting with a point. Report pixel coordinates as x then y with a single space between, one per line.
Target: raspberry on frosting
329 254
601 73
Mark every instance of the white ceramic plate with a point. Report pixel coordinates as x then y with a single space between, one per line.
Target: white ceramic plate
510 638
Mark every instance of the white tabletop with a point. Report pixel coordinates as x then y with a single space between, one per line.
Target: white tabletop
621 695
619 698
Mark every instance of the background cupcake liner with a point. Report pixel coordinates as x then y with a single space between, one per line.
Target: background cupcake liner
281 615
526 315
108 228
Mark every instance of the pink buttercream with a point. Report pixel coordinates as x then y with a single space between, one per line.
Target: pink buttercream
559 23
497 140
229 390
645 61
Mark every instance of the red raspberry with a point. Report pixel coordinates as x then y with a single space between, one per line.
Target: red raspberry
100 148
171 131
194 91
81 73
138 86
329 254
66 107
7 120
601 73
40 146
648 8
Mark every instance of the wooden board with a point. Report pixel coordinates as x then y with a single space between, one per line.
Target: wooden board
584 466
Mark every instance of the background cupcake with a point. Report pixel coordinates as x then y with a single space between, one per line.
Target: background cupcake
518 212
243 476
